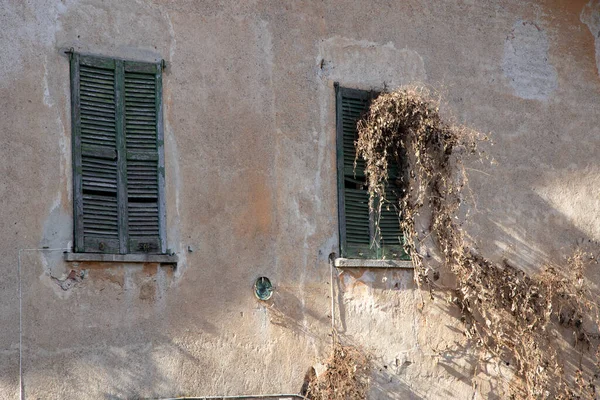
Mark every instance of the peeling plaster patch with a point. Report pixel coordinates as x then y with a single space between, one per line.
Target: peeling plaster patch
162 283
74 278
364 64
351 282
58 227
401 280
590 15
526 64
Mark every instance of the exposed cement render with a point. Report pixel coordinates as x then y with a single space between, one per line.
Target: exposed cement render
526 62
251 187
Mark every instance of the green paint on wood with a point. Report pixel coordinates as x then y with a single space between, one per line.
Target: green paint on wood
117 155
358 233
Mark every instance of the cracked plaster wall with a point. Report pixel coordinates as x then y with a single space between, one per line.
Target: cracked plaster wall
250 165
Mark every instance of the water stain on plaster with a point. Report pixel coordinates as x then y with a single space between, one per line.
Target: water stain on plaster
590 15
364 64
104 276
526 62
148 290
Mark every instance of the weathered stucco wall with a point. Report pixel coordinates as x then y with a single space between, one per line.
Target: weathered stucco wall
251 187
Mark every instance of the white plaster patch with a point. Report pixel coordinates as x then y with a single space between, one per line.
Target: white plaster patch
173 40
364 64
590 15
174 186
526 64
47 99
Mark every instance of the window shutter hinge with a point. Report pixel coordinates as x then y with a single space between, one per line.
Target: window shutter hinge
70 53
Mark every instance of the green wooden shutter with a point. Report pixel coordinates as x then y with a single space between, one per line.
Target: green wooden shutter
118 165
358 237
355 223
95 172
145 171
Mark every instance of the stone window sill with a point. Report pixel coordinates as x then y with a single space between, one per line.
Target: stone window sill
361 263
122 258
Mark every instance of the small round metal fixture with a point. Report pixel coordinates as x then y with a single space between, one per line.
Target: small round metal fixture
263 290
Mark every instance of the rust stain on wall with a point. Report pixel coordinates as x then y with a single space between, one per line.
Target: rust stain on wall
150 269
570 35
255 217
116 277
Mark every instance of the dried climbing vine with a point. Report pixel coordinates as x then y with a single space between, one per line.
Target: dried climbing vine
345 376
517 317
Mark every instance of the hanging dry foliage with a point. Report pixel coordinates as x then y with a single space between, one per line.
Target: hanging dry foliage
510 314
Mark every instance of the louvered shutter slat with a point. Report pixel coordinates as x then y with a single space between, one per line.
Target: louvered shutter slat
392 241
118 164
358 230
98 175
352 110
141 138
357 222
357 217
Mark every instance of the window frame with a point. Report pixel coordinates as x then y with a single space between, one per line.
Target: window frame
376 250
122 153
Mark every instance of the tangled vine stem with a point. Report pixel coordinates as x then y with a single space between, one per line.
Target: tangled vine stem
516 317
345 375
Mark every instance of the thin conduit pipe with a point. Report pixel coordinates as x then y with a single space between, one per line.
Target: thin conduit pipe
331 268
21 394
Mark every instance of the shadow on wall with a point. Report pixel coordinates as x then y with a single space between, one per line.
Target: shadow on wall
104 335
529 233
114 330
532 234
126 332
287 311
113 372
417 351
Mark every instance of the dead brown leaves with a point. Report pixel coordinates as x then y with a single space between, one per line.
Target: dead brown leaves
507 312
345 377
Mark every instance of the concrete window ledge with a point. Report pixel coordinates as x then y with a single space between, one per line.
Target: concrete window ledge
124 258
360 263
